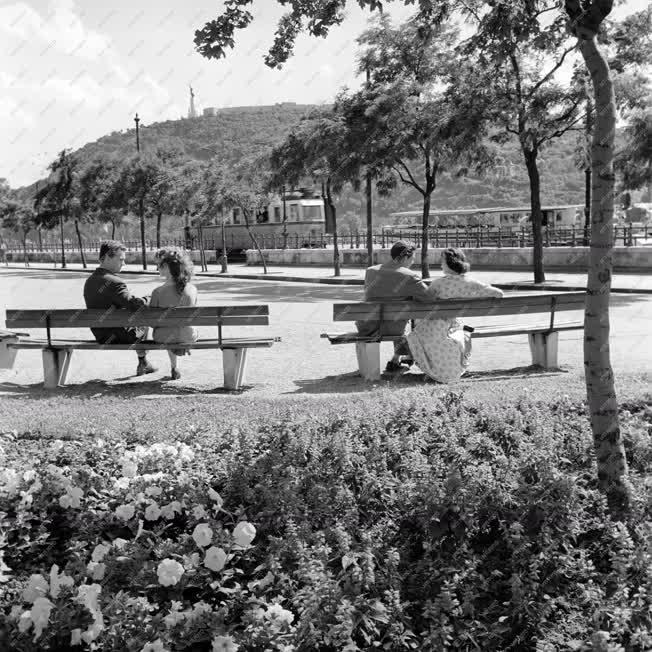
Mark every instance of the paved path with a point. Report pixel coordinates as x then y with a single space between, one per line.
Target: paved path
302 363
355 275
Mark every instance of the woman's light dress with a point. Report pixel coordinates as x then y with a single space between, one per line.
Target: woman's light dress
441 347
167 296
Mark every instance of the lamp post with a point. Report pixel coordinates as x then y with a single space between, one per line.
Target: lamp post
137 120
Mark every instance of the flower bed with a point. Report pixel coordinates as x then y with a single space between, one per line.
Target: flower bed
451 526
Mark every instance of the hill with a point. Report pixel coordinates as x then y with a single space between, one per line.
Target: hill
236 131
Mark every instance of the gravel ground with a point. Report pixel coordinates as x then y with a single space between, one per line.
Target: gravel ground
302 364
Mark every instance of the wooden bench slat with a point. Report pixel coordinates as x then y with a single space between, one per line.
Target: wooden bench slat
479 332
168 317
452 308
227 343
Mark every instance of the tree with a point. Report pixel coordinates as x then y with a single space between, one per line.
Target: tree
58 198
137 180
213 201
186 187
634 160
19 217
246 187
585 19
422 115
319 147
521 46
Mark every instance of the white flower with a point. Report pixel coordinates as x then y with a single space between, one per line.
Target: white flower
75 637
129 469
9 481
168 511
276 612
36 588
25 621
125 512
152 512
121 483
216 498
72 498
120 543
156 646
154 491
4 570
215 558
96 570
40 615
224 644
244 533
87 595
57 445
58 580
29 475
100 551
202 534
169 572
186 454
199 512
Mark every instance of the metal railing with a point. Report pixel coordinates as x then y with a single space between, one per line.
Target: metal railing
463 237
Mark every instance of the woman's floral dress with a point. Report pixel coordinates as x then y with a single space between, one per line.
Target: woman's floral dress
441 347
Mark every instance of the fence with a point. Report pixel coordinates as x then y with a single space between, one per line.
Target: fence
464 237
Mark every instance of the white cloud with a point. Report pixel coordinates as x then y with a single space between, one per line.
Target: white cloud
62 29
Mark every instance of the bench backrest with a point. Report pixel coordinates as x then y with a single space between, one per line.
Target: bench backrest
456 308
116 317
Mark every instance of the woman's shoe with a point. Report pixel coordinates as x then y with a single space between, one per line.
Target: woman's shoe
175 374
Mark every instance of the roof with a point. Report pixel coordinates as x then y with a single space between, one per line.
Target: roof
475 211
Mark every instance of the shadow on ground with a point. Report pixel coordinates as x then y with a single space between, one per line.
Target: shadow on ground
352 382
97 388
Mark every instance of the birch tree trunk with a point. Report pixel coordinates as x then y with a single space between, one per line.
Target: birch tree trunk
601 393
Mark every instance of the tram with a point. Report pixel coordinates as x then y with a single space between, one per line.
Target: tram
510 219
304 219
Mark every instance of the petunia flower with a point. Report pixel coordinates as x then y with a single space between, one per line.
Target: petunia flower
215 559
37 587
169 572
202 534
152 512
125 512
244 533
224 644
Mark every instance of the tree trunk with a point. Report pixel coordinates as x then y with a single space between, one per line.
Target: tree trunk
336 245
25 258
141 216
588 128
158 230
252 235
225 267
63 249
112 229
40 239
370 244
425 224
81 244
535 211
601 393
285 221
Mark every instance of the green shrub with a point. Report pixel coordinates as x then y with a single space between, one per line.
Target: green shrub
447 525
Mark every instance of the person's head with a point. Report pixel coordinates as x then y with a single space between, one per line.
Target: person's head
175 265
402 253
112 255
454 260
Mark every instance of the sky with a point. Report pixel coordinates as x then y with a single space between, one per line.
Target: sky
72 71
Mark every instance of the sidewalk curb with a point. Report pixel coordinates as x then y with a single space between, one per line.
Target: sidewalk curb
518 285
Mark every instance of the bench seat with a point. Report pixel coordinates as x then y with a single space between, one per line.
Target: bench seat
57 351
542 337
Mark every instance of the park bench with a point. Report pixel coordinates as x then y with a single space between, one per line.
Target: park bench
57 352
543 337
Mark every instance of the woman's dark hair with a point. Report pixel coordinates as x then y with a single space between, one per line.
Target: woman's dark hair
180 265
456 260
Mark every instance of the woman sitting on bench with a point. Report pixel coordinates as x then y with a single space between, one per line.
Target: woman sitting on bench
176 267
442 347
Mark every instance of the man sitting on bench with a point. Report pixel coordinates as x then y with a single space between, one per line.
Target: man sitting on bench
393 281
103 289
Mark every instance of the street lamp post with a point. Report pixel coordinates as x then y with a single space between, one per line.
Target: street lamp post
137 120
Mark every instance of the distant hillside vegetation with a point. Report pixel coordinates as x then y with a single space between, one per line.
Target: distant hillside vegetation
237 131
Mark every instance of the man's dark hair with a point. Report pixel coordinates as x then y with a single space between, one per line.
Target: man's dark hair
111 248
401 249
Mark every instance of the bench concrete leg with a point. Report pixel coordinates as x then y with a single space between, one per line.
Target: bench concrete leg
55 366
544 347
7 355
235 361
368 354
